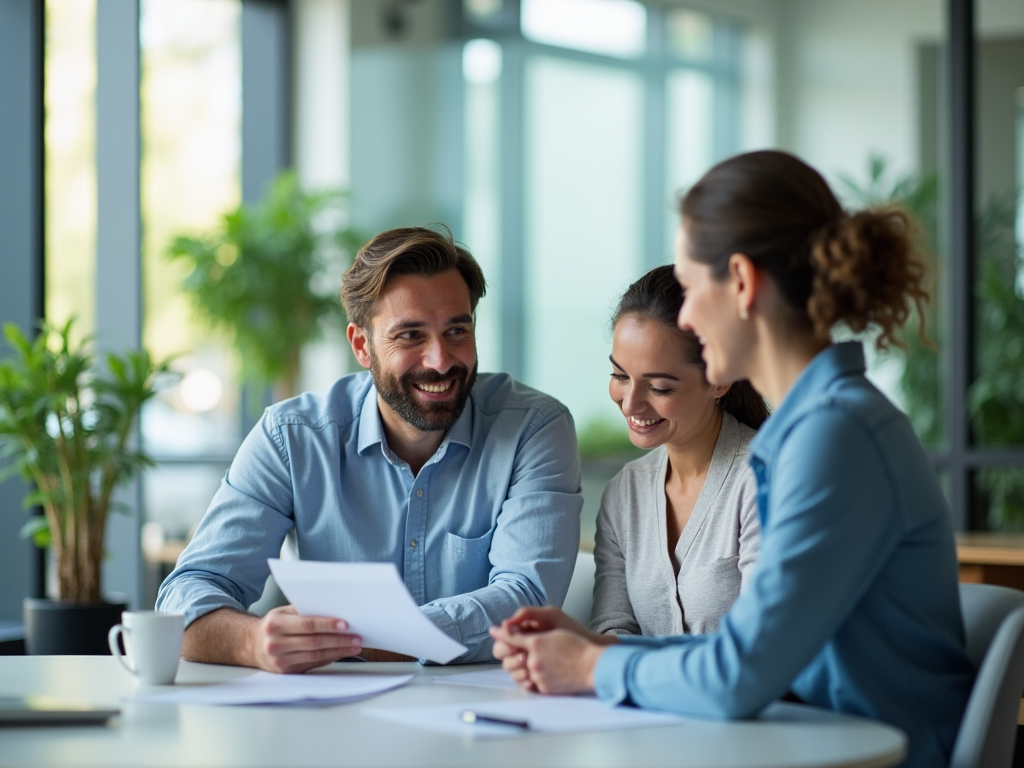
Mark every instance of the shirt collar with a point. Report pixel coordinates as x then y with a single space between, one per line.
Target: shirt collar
371 431
833 362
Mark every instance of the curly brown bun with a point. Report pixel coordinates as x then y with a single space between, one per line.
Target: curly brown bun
868 273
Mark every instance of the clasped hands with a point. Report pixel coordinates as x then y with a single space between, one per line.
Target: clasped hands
546 651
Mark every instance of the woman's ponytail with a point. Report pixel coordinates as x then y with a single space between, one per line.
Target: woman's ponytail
867 273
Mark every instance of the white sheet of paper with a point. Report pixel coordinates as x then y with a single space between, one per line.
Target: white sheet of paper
545 714
491 678
268 688
374 601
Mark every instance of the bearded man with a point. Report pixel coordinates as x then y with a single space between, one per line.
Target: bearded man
469 484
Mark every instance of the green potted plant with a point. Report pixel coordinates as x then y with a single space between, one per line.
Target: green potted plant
67 427
268 277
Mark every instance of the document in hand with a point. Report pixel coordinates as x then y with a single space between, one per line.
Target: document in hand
374 601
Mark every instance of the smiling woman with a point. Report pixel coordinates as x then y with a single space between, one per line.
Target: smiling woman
677 533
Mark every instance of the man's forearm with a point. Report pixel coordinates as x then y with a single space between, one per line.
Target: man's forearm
223 636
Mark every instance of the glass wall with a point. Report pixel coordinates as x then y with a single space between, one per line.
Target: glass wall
70 162
190 171
996 395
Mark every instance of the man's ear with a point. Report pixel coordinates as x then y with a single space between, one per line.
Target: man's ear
359 340
746 280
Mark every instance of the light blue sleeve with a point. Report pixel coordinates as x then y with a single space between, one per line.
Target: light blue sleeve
831 522
534 546
225 564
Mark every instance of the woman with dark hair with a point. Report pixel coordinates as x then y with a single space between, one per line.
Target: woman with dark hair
854 604
677 534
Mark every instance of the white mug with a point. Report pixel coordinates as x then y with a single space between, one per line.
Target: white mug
152 642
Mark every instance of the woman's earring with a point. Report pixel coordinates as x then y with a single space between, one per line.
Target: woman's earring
743 313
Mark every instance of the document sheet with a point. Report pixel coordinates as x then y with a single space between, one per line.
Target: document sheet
267 688
374 601
545 714
490 678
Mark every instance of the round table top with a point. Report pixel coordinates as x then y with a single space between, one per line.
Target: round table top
149 734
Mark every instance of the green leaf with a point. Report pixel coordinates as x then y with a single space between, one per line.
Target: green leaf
37 529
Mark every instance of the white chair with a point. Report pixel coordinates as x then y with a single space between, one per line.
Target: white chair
580 597
994 624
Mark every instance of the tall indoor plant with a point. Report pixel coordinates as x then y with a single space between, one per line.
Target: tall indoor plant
67 427
996 395
268 277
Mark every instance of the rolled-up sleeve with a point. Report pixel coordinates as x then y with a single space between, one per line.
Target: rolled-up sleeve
225 564
535 541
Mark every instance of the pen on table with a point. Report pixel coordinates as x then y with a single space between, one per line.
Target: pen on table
469 716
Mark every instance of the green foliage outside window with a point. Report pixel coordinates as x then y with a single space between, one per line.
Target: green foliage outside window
996 395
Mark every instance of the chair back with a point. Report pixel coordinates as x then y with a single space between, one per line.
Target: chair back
994 626
580 598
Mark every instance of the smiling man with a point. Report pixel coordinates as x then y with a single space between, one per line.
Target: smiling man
468 484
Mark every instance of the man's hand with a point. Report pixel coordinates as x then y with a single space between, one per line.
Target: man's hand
283 641
555 661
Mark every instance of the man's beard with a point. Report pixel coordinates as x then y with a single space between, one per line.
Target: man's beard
397 392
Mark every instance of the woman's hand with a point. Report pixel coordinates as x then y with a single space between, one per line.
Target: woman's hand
553 661
548 618
531 619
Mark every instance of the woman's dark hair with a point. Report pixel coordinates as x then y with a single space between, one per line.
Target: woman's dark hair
657 296
862 269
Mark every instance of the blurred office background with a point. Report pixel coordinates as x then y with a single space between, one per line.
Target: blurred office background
552 136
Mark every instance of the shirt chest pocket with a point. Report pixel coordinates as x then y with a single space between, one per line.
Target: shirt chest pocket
463 546
468 564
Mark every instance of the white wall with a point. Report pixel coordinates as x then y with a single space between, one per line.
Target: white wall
848 80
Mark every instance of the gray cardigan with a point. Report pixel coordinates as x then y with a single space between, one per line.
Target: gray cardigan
635 589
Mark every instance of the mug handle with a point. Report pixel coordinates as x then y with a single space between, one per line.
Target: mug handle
114 648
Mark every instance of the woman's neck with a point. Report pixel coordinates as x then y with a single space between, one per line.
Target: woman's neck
779 360
690 459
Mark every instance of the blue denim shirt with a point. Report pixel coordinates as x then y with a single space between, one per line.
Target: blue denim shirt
490 523
854 603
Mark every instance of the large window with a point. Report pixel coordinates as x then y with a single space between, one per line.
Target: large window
70 162
191 176
578 139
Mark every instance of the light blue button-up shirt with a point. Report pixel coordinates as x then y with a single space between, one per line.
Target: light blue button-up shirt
854 602
490 523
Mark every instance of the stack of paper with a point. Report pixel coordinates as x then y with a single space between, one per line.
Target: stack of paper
489 678
268 688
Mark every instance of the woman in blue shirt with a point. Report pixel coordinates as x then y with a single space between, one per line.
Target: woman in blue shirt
854 603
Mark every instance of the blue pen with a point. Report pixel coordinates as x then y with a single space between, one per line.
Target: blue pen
469 716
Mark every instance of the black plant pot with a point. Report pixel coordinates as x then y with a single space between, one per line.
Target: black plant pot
54 628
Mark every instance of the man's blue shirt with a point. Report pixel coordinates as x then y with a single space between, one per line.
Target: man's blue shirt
490 523
854 603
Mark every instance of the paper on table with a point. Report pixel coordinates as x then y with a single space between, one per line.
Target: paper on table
268 688
491 678
374 601
545 714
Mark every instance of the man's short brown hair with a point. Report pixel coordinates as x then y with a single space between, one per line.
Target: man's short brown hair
405 251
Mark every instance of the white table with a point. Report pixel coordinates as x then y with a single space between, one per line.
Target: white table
342 735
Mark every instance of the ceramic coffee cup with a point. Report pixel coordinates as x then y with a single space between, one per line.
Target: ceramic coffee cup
152 642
